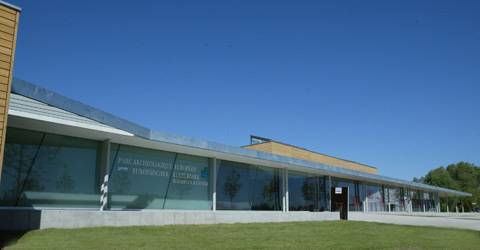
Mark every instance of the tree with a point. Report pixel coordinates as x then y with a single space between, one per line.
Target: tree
462 176
441 178
232 186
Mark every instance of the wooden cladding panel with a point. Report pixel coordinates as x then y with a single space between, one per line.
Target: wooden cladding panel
6 29
7 22
5 50
8 33
6 36
295 152
6 9
4 72
5 58
8 16
4 80
5 65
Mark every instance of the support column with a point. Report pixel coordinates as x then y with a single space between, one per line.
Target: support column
366 205
214 186
284 190
438 203
456 205
104 174
287 204
329 187
448 211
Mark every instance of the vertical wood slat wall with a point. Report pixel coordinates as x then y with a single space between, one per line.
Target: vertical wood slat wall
8 35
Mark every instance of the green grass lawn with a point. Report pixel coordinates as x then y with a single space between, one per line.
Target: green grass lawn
294 235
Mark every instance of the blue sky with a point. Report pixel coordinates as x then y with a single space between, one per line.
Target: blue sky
395 85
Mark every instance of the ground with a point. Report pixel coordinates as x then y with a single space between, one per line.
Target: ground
292 235
450 220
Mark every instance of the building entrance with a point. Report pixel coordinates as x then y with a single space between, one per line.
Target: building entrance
340 201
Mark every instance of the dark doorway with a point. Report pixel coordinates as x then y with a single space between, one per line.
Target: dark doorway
340 201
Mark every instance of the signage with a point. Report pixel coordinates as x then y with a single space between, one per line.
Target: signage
338 190
184 172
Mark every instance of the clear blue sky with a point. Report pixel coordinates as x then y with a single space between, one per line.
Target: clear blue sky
395 85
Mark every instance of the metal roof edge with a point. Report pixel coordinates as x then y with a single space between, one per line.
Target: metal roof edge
51 98
54 99
11 6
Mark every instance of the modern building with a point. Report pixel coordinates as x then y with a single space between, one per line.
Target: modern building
63 155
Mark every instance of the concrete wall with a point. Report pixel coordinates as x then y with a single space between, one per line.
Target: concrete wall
39 219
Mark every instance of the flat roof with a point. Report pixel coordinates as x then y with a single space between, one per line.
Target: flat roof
49 97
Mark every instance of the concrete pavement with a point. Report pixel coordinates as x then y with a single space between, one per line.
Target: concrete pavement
449 220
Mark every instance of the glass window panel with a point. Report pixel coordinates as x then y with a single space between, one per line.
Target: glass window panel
151 179
306 192
417 201
374 194
246 187
395 199
47 170
355 203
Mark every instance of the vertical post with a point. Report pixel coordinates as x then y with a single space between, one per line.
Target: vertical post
214 187
104 172
329 201
287 204
448 211
348 200
284 190
409 200
423 206
366 204
388 198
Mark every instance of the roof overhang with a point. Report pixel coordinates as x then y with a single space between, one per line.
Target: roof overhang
126 132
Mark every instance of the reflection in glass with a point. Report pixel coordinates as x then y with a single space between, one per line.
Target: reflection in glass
374 194
47 170
246 187
151 179
395 199
354 199
306 192
430 201
417 200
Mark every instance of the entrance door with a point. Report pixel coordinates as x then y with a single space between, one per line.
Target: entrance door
340 201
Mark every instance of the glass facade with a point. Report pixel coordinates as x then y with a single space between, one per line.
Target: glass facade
395 199
375 198
307 192
355 203
417 200
48 170
430 200
151 179
248 187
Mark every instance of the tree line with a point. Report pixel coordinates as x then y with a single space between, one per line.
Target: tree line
461 176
